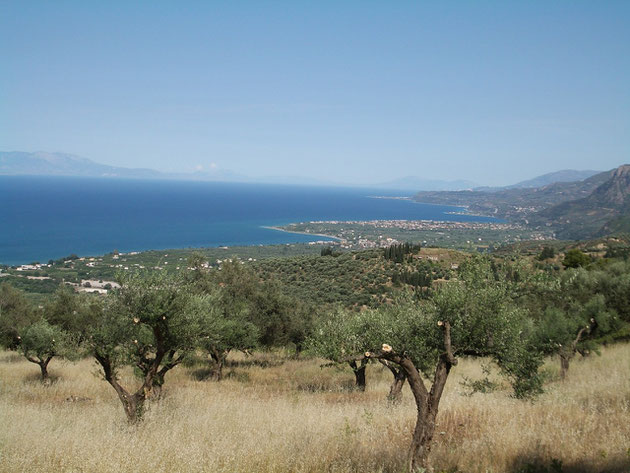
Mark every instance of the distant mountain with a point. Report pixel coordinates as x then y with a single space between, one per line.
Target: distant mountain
413 183
567 175
516 204
60 164
595 206
605 210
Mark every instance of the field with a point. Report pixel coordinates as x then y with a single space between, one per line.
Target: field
275 414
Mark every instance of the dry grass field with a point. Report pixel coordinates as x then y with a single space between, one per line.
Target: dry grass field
279 415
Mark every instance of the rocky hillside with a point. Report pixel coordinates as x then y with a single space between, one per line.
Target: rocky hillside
596 206
605 210
516 204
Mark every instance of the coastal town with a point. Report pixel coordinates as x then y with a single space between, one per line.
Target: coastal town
354 234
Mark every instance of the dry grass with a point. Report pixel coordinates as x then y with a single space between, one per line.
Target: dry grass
292 416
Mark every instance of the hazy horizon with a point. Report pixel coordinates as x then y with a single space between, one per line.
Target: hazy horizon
355 93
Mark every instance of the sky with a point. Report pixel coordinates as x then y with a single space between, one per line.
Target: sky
347 91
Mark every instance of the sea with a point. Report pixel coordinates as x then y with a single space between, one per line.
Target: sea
43 218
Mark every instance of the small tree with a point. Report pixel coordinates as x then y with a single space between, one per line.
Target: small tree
575 259
341 338
16 313
225 328
547 253
41 342
575 330
152 322
70 311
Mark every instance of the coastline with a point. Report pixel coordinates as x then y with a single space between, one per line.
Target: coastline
302 233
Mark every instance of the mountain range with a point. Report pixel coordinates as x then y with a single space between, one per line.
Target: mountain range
62 164
586 208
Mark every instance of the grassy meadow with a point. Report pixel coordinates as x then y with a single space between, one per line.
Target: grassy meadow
275 414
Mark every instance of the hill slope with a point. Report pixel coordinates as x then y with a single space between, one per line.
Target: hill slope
516 204
566 175
605 210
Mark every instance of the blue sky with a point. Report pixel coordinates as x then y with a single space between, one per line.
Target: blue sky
359 92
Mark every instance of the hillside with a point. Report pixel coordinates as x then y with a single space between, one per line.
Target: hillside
566 175
605 210
596 206
516 204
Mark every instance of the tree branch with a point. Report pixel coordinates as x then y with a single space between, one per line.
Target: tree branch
450 358
416 383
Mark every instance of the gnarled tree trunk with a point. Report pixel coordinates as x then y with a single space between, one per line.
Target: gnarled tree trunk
43 365
427 403
567 353
565 359
156 389
395 390
218 357
359 373
133 404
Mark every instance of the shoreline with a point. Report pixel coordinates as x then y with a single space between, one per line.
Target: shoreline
302 233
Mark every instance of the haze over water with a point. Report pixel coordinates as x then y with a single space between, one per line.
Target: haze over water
46 218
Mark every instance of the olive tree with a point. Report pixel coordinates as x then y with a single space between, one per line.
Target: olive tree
566 332
342 337
225 328
41 342
70 311
16 313
339 338
250 306
472 316
151 323
572 312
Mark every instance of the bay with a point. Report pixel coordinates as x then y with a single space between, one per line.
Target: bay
44 218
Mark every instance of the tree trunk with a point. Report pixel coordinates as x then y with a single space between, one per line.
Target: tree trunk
564 365
298 350
359 373
218 357
133 406
43 366
422 438
427 403
395 390
158 382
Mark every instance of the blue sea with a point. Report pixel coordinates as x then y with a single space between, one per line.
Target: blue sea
44 218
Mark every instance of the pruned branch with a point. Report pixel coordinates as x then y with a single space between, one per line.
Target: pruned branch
450 358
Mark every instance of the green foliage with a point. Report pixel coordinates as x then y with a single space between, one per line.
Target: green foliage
69 310
399 252
41 341
225 326
483 319
151 315
547 253
16 313
575 258
329 251
263 307
483 385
